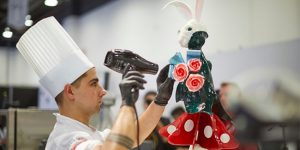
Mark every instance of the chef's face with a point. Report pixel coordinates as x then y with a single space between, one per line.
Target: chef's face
88 94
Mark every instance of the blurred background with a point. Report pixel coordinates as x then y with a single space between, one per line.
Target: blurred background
252 43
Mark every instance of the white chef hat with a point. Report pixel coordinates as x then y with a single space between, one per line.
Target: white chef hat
53 54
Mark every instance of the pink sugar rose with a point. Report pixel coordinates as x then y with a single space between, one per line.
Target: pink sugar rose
194 82
194 64
180 72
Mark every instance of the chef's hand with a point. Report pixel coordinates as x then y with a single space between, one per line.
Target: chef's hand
164 87
129 86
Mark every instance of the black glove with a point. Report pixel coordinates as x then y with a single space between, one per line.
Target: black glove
164 87
129 87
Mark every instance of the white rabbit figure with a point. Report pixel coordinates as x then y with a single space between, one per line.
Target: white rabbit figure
201 125
192 36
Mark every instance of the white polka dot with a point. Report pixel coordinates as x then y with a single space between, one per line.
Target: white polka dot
225 138
189 125
171 129
207 131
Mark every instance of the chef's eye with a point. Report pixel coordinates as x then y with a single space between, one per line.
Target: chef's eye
94 83
189 29
178 31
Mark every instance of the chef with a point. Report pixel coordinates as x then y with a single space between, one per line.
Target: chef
72 80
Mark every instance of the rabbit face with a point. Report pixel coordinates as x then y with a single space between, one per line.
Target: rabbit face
187 31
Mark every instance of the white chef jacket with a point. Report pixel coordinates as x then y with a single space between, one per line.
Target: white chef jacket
70 134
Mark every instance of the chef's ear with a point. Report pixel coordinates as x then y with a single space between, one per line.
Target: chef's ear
68 91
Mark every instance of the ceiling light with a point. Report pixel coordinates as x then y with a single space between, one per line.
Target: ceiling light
28 21
7 33
51 3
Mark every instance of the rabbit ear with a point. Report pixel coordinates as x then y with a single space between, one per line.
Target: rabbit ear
198 9
182 7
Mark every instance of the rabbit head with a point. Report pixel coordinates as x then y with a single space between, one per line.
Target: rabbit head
193 34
